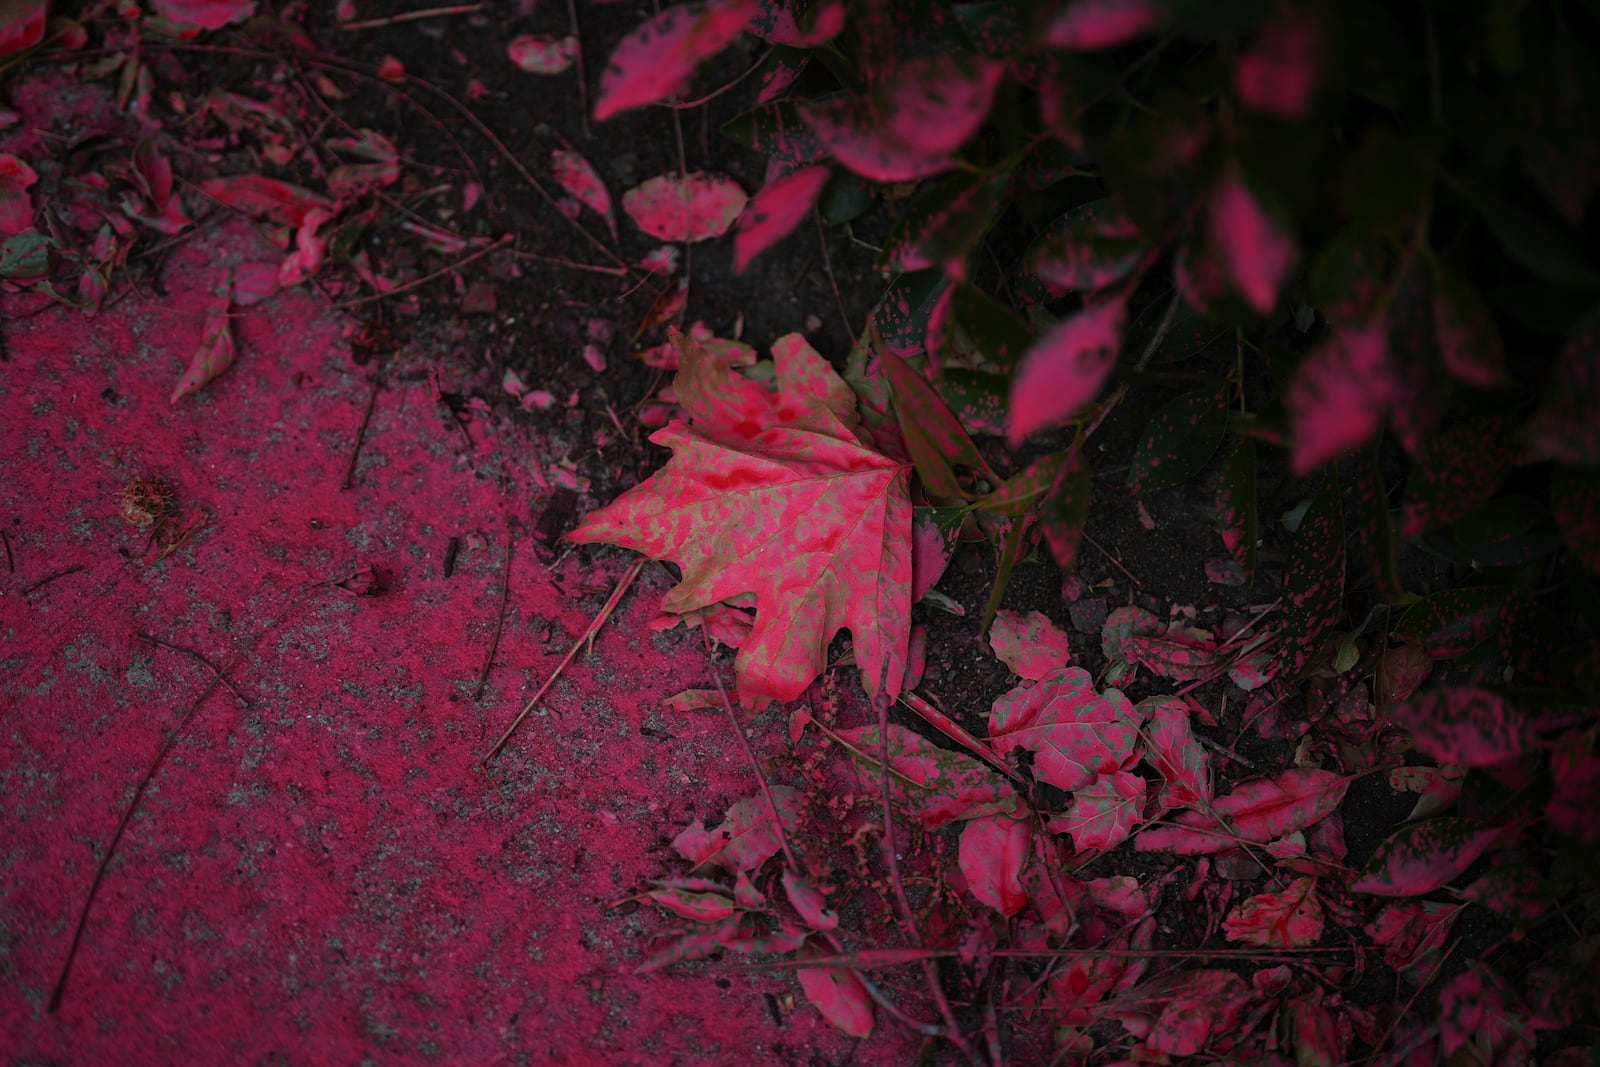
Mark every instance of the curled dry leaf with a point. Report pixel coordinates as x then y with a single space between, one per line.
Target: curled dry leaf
1423 857
578 177
657 59
215 354
691 207
777 209
543 55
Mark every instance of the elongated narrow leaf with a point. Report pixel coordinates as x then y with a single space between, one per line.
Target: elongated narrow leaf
1180 439
993 854
1236 505
1423 857
215 354
656 60
1065 369
1465 725
775 211
1314 585
937 786
1454 621
1257 250
934 438
1258 811
1457 470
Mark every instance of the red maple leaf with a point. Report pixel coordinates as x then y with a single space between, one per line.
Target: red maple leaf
774 493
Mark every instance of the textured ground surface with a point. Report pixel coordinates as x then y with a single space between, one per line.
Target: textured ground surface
320 862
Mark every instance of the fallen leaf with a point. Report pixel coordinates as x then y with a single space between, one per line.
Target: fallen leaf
692 207
1257 811
937 786
993 854
277 201
1031 645
543 55
746 838
839 997
16 207
578 177
1103 813
809 903
215 354
1337 397
1175 754
657 59
1290 919
773 493
1074 733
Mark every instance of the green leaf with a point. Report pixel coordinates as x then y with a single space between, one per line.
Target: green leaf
1347 278
1537 245
778 131
937 786
1466 332
25 255
1457 470
1089 248
1189 333
1575 502
977 398
1452 622
1236 505
846 197
1020 493
995 332
1506 532
1066 507
1314 585
1180 439
1534 641
1373 526
934 438
901 317
944 222
1387 178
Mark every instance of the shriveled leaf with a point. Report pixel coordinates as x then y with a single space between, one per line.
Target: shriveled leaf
913 124
993 854
1257 250
1257 811
943 223
1065 369
1452 622
1074 733
1031 645
1314 584
543 55
1103 813
937 786
690 207
1465 331
583 183
775 211
1575 503
1236 505
1092 246
839 997
1457 470
215 354
1465 724
699 906
1423 857
1289 919
933 437
1338 396
1175 754
1180 439
746 837
1088 25
657 59
774 494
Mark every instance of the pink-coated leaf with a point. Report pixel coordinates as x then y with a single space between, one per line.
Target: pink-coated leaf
936 785
692 207
1257 811
1093 246
22 25
839 997
1479 1009
1064 370
746 837
994 852
1278 75
277 201
151 172
657 59
1465 330
773 493
1466 725
696 944
1132 636
543 55
809 902
16 206
1574 806
1318 1040
697 906
1511 891
1257 251
1074 733
204 14
1103 813
1031 645
775 211
215 354
578 177
912 125
1457 470
1181 1013
1087 25
1175 754
776 23
1290 919
1338 396
1423 857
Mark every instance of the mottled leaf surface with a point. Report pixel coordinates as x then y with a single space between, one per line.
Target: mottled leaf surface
582 182
1452 622
1423 857
1258 810
657 59
1103 813
1236 505
1030 644
937 786
1457 470
1074 732
689 207
1288 919
1465 724
215 354
1175 754
993 853
745 839
1092 246
1314 584
1180 439
1065 369
839 997
777 209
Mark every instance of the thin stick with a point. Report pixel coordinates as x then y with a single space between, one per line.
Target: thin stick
500 617
1115 562
957 733
215 670
413 16
556 261
11 566
425 279
583 78
827 266
47 579
587 636
361 431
